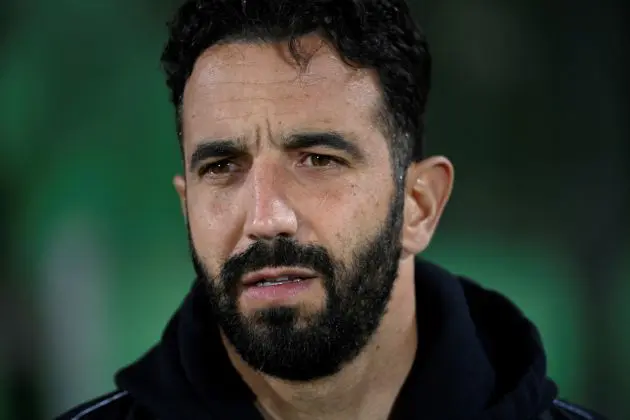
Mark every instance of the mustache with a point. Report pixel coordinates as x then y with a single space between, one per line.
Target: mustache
278 252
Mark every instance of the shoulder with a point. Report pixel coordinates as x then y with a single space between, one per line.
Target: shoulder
118 405
562 410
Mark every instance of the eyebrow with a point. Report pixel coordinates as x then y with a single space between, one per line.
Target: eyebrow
327 139
210 149
214 149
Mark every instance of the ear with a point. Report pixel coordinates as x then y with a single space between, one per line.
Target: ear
427 190
180 187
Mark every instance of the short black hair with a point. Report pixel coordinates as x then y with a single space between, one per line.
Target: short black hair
375 34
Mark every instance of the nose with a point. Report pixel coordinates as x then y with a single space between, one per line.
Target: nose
269 212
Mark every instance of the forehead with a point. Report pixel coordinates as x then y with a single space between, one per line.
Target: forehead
239 83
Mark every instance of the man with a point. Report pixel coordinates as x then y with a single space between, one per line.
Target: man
307 197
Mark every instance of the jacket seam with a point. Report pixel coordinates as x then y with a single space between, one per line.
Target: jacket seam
573 409
100 404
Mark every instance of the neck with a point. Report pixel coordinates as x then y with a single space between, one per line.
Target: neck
366 388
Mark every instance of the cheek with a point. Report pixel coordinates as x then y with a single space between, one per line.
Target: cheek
212 221
347 217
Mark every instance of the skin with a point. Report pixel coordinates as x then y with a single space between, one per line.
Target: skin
316 194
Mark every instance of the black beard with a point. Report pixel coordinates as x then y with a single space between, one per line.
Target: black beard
357 293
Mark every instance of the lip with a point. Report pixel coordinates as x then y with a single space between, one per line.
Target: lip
269 273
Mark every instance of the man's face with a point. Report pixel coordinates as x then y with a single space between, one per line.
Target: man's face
293 217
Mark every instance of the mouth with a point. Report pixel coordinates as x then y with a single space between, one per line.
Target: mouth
278 281
277 277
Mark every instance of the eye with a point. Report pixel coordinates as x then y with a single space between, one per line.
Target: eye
316 160
221 167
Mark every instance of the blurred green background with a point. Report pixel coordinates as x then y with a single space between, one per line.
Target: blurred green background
529 101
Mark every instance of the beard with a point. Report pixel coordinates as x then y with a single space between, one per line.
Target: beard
283 342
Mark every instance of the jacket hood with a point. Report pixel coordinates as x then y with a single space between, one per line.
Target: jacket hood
478 358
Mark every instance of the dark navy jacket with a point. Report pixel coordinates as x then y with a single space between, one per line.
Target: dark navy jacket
484 361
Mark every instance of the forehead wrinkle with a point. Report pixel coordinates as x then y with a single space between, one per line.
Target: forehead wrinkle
357 92
327 89
302 81
250 114
253 98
